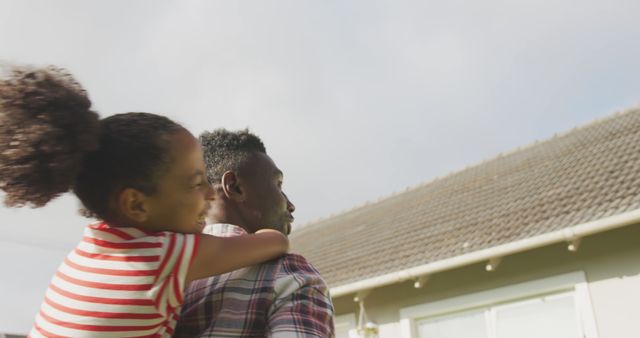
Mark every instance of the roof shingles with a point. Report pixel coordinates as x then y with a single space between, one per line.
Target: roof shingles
583 175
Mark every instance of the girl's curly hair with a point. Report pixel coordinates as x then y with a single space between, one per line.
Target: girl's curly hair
46 127
52 142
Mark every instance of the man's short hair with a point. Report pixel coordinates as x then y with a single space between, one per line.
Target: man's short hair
226 150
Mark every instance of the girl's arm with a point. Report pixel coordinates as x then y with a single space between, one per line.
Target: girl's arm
218 255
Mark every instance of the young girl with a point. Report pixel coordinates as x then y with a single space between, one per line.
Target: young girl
143 176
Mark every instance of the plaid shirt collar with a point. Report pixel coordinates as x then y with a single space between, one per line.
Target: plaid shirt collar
223 230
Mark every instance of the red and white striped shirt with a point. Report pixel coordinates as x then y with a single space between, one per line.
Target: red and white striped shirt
118 282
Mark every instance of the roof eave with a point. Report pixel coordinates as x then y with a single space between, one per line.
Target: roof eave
565 235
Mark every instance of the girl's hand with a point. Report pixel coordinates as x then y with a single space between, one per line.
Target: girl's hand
276 236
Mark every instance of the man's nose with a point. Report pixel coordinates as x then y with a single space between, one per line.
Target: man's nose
290 207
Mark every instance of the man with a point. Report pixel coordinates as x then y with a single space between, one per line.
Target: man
285 297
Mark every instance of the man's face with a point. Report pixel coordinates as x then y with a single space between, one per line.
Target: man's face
265 204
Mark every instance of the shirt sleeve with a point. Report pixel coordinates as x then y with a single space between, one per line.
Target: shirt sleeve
177 256
302 308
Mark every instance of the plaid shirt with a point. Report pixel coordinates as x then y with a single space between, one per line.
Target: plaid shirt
282 298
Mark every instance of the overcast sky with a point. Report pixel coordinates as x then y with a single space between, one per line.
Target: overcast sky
354 99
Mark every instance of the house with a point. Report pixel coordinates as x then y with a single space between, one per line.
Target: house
541 242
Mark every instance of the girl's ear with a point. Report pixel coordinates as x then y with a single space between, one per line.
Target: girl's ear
231 186
132 204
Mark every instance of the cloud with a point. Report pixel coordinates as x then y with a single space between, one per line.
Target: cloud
354 100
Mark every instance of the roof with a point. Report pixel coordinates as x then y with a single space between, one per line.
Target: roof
583 175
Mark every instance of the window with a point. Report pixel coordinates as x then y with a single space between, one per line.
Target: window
345 326
556 307
553 316
468 324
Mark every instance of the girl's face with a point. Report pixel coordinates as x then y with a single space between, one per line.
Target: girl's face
182 196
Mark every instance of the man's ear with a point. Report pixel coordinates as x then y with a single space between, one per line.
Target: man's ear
133 205
231 186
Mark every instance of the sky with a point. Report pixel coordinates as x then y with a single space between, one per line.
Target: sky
355 100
